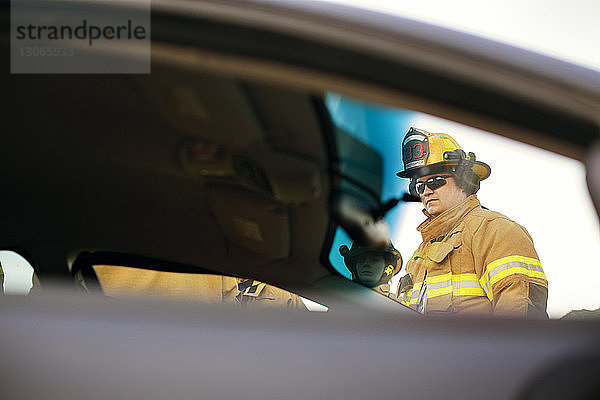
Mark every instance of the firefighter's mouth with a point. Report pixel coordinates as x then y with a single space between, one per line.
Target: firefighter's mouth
427 202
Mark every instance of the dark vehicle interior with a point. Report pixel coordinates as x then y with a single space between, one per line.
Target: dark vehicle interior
155 181
223 159
179 171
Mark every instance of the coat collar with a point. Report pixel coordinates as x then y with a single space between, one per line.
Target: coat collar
250 287
433 227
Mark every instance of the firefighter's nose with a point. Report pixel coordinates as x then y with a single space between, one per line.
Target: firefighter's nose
427 191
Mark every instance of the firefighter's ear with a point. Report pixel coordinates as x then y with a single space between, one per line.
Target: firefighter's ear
412 188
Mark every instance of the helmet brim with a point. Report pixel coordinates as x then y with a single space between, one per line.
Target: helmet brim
357 251
481 169
351 255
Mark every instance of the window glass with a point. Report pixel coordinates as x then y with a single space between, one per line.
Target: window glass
542 191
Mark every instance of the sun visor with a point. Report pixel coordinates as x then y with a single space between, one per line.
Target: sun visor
250 220
285 177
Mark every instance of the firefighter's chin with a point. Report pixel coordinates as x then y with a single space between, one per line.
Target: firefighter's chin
433 206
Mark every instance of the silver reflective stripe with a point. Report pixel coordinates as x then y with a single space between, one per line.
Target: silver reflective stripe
455 285
512 264
414 296
466 284
439 285
488 289
422 299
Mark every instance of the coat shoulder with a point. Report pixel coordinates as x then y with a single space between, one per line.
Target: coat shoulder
485 215
481 218
484 220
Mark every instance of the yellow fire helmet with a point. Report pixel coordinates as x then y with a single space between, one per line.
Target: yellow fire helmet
426 153
393 260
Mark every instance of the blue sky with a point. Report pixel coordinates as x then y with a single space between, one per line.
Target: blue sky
383 129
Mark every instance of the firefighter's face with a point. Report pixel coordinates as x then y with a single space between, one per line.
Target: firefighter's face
369 268
442 198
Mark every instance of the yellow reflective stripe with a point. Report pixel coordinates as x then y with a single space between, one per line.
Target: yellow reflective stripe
506 260
506 266
465 284
439 292
439 278
464 277
469 291
450 276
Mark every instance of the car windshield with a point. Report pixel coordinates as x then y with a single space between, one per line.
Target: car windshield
542 191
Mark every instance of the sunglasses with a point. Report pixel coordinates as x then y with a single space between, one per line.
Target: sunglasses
432 183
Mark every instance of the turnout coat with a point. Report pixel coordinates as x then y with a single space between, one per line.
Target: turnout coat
475 260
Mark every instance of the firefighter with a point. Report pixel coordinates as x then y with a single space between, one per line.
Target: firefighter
252 293
471 259
121 282
373 268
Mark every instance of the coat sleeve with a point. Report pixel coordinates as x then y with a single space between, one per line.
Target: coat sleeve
276 297
509 269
